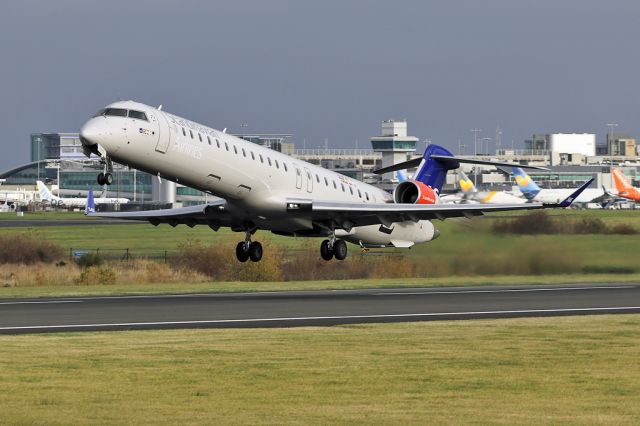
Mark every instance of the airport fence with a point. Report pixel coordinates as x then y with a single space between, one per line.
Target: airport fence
123 254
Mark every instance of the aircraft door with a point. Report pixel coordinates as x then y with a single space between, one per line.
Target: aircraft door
298 177
309 180
164 133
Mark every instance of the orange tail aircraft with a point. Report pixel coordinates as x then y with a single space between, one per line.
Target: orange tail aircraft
624 187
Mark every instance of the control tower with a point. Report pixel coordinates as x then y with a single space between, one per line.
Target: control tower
395 146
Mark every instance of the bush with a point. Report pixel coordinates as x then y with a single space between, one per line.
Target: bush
623 229
21 248
97 275
534 223
89 259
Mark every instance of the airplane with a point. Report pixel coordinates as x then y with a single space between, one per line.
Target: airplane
532 192
470 194
624 187
262 189
54 200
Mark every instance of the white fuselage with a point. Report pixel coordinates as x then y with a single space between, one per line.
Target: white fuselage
557 195
256 181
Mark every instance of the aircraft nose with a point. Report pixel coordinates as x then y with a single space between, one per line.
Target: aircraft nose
92 133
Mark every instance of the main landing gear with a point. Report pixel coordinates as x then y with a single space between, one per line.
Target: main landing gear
106 177
248 249
333 248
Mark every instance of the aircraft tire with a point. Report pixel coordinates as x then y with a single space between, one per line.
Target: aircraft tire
242 255
340 250
108 178
255 251
326 252
101 179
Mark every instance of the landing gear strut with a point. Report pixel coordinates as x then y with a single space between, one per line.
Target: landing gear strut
248 249
106 177
333 248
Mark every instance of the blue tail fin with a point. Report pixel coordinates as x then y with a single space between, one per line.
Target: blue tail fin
431 171
91 205
527 186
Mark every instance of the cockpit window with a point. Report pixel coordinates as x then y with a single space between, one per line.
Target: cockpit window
117 112
99 113
138 115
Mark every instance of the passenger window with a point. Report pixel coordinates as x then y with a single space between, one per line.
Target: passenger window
359 194
269 160
277 165
138 115
218 143
366 194
226 146
200 137
351 190
235 149
285 166
342 186
209 140
261 159
116 112
317 178
244 154
253 157
334 185
191 133
326 181
183 132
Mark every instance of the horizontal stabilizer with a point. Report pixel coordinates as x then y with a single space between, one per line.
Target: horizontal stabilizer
452 163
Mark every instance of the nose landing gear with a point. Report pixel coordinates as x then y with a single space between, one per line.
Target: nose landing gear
106 177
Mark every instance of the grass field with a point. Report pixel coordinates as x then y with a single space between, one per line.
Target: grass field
570 370
468 252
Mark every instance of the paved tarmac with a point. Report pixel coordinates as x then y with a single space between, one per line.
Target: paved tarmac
312 308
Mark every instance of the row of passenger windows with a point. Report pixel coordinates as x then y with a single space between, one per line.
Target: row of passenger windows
275 162
121 112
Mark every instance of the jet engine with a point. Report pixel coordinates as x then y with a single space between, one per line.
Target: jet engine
414 192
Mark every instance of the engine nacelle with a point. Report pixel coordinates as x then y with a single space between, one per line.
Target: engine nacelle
414 192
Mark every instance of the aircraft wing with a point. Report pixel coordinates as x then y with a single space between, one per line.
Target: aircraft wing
347 215
213 214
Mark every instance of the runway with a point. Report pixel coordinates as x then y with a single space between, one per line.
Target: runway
311 308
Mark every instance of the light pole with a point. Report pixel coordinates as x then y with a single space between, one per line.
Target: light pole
486 144
498 139
610 140
475 140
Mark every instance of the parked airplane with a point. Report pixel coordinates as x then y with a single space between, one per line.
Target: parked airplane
15 198
624 187
264 189
533 192
54 200
470 194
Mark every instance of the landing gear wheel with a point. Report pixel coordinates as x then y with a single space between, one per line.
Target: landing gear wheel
101 179
241 254
255 251
108 178
326 252
340 249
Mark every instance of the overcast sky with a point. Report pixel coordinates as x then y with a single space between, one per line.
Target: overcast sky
324 69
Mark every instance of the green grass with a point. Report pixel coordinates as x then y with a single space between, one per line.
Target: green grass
570 370
242 286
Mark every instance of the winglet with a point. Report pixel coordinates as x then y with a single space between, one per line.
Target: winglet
569 200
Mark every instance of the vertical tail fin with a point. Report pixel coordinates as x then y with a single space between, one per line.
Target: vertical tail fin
45 194
91 205
466 184
526 185
621 181
431 171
